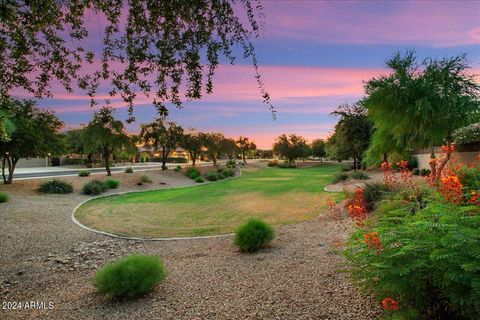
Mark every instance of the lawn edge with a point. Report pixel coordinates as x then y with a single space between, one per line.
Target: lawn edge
78 223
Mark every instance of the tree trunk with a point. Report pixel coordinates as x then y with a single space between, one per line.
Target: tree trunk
214 160
193 155
165 153
106 156
11 163
321 160
354 163
11 170
432 152
4 161
243 156
385 157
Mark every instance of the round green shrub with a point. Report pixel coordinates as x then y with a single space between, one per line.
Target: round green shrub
359 175
272 163
145 179
112 183
84 173
56 186
192 172
3 197
130 277
228 173
128 170
340 177
211 175
416 171
253 235
94 187
425 172
199 179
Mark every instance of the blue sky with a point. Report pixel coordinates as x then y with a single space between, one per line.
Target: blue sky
313 55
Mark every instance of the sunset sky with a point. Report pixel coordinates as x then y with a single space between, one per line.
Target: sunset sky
313 55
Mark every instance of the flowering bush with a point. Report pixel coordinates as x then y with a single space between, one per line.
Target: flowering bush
421 265
357 208
388 174
451 189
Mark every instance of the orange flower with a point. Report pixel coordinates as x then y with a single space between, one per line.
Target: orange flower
451 189
373 241
448 149
389 304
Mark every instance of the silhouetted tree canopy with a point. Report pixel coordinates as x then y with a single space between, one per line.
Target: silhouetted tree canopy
150 47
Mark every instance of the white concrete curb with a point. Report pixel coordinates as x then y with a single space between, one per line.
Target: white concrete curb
72 216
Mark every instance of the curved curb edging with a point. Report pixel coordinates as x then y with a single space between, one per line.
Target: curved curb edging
72 215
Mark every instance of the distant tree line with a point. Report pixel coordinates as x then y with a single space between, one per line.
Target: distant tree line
32 132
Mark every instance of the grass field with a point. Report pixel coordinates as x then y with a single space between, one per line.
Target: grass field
279 196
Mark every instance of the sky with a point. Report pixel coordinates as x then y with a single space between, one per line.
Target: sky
313 56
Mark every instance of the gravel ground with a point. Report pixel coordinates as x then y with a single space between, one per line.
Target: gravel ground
45 257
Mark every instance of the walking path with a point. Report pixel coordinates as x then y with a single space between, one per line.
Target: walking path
46 257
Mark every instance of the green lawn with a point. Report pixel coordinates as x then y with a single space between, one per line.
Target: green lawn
279 196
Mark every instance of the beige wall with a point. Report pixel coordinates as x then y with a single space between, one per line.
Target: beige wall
32 162
459 157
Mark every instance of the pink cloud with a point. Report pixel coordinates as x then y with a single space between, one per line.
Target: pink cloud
408 22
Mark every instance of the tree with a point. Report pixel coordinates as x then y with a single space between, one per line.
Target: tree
291 147
245 146
73 139
318 148
193 143
105 134
420 105
264 154
35 133
150 47
230 148
352 133
6 126
213 141
161 138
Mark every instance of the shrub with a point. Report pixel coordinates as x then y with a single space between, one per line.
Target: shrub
427 262
425 172
211 175
345 168
470 178
272 163
359 175
112 183
416 171
373 193
412 163
94 187
228 173
145 179
128 170
192 172
56 186
467 134
199 179
178 168
84 173
231 164
130 277
338 177
3 197
253 235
